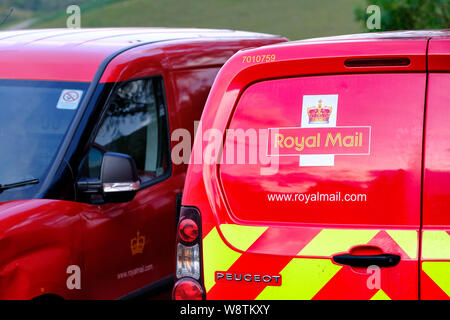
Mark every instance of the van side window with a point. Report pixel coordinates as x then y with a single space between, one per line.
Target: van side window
136 125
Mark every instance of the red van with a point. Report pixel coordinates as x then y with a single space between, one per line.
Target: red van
87 187
325 173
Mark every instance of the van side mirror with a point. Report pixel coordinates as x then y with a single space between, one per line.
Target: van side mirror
119 179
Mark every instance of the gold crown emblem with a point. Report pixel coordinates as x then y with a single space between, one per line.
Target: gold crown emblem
319 114
137 244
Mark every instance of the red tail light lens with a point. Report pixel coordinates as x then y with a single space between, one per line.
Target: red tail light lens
188 230
188 268
187 289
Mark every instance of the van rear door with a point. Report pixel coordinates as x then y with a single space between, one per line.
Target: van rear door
435 258
332 201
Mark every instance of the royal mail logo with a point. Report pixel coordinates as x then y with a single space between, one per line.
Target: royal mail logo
318 139
335 141
319 114
137 244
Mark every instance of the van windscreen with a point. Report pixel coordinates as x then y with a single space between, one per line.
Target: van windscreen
35 116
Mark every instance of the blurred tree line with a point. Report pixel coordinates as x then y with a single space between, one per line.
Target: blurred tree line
40 5
409 14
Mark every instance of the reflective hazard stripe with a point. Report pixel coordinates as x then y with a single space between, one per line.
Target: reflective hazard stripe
241 237
326 243
331 241
216 256
302 279
439 272
407 240
380 295
435 245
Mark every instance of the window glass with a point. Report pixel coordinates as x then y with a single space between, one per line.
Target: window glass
95 162
34 119
136 125
335 149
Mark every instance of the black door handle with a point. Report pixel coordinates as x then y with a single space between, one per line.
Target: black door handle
380 260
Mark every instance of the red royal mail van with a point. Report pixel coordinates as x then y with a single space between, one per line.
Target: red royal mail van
324 173
87 186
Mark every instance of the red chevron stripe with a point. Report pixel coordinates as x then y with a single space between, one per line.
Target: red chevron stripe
283 241
346 284
248 263
399 282
384 241
429 290
351 283
281 244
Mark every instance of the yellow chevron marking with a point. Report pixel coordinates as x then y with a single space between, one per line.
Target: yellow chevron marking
217 256
301 279
407 240
439 272
380 295
435 245
241 237
331 241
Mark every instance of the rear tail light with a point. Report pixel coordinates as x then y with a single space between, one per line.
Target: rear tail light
188 230
188 269
188 261
187 289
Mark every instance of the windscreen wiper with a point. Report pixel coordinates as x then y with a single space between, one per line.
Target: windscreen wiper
4 187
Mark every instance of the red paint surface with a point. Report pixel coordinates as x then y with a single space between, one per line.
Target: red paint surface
41 238
76 55
437 153
376 100
436 174
390 99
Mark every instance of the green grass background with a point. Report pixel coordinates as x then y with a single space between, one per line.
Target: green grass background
17 16
295 19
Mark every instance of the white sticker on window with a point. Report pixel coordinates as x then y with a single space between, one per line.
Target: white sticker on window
318 111
69 99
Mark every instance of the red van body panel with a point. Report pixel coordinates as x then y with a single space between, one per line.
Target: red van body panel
49 51
381 83
438 55
435 262
42 238
247 193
